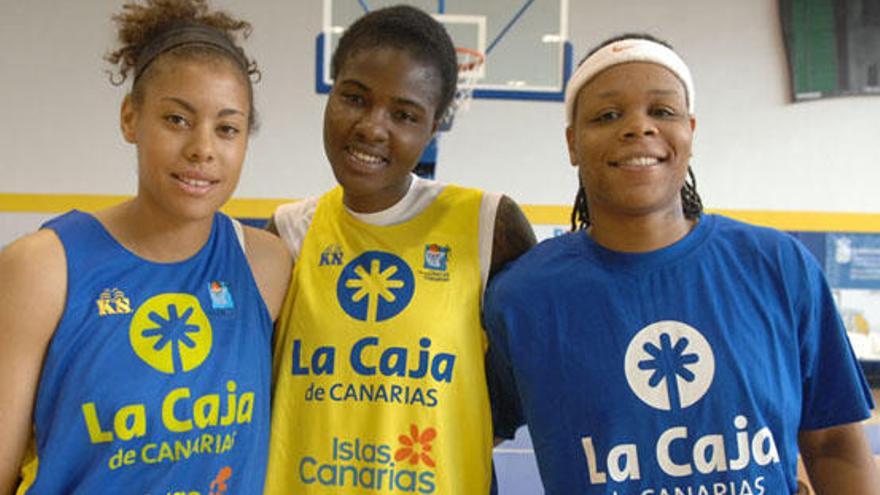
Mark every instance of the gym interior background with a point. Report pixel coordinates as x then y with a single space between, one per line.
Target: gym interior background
811 168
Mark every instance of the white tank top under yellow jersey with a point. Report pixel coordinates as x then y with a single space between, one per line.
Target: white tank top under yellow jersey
379 379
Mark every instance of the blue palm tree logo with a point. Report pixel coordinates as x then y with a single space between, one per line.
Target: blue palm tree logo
375 286
171 333
669 365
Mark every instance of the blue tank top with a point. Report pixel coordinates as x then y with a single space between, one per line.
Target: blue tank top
157 378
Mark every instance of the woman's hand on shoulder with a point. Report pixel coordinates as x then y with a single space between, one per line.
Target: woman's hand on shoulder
33 287
513 234
271 265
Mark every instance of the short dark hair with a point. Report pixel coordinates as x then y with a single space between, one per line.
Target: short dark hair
409 29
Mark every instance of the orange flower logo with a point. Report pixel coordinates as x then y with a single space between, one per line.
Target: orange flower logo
219 486
416 446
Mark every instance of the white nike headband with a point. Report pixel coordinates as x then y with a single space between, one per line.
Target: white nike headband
622 52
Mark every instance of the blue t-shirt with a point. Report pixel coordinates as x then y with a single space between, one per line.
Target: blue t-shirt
157 377
690 369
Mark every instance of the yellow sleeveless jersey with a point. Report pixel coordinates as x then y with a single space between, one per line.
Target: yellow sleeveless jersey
379 377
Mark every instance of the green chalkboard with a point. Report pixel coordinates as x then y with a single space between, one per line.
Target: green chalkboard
833 47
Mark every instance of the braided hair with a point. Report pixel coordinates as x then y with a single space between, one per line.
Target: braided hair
691 204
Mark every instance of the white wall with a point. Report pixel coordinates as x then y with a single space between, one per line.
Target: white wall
754 149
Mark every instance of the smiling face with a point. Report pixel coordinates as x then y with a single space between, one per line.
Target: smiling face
379 118
191 132
631 141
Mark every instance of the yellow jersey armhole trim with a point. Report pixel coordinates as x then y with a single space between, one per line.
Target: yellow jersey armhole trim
29 469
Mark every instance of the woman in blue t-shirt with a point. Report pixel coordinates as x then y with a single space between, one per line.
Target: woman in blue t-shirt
659 350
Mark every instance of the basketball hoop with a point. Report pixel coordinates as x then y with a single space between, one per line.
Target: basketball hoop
470 65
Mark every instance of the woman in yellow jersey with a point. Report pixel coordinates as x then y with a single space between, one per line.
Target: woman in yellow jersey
379 377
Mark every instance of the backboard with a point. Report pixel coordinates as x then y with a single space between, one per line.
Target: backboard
525 42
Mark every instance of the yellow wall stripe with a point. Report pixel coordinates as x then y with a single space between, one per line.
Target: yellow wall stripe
537 214
59 203
805 221
809 221
55 203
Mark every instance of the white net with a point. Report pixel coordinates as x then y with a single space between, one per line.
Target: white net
470 65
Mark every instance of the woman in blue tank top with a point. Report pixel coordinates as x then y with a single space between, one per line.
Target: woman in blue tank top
135 344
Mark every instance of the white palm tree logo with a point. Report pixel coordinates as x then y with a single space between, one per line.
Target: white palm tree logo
669 365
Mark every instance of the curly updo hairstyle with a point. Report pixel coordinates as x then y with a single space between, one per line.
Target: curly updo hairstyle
141 24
